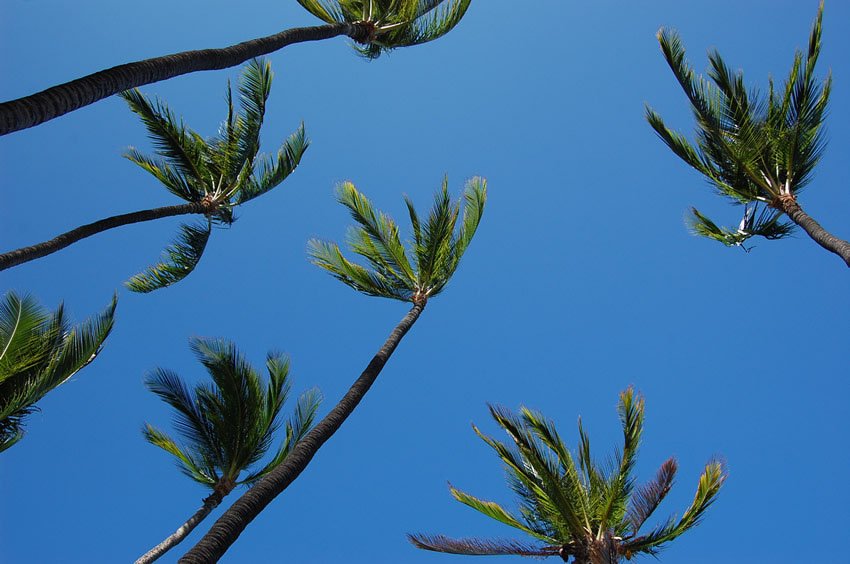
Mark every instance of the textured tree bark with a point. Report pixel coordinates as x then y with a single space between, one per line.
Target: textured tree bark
59 100
177 537
230 525
26 254
821 236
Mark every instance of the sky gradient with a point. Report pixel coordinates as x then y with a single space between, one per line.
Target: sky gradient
581 281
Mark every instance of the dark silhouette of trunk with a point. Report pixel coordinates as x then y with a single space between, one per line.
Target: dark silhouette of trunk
821 236
230 525
177 537
26 254
58 100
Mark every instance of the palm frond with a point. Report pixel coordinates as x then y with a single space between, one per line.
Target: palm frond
648 497
179 260
710 482
39 351
271 172
480 547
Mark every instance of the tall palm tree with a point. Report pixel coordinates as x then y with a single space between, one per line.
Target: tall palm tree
757 151
227 426
411 274
386 23
589 512
212 175
39 350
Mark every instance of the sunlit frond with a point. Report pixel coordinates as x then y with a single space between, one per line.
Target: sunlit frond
39 350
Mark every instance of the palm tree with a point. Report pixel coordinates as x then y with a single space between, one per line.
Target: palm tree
590 513
227 426
212 175
411 274
39 350
386 23
757 151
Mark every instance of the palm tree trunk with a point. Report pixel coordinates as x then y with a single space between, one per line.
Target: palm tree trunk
821 236
26 254
177 537
230 525
58 100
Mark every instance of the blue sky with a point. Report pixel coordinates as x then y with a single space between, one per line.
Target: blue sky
581 281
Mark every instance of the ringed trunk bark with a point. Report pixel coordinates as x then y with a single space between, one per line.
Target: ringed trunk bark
177 537
26 254
230 525
58 100
821 236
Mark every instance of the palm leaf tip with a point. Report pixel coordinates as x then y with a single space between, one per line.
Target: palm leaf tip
179 259
478 547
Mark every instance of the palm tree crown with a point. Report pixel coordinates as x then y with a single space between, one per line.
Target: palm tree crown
579 510
219 173
759 151
229 425
39 350
412 275
393 23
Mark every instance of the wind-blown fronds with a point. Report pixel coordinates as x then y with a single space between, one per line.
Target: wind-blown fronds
752 148
229 425
412 272
39 350
218 174
577 510
393 23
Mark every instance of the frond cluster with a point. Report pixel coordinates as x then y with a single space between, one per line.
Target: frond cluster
39 350
229 425
220 173
753 149
393 23
413 272
569 503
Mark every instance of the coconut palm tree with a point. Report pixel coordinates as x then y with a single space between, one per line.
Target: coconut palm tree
213 176
412 274
228 426
757 151
375 25
39 350
584 511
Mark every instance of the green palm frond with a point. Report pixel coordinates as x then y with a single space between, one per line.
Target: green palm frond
392 23
39 350
221 172
435 251
577 510
753 149
228 425
178 261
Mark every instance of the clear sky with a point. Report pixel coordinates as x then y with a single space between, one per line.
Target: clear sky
581 281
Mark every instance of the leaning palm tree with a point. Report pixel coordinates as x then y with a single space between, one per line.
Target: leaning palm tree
412 274
375 25
584 511
757 151
213 176
39 350
228 426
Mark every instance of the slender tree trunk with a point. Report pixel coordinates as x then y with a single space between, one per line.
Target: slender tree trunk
58 100
177 537
821 236
230 525
26 254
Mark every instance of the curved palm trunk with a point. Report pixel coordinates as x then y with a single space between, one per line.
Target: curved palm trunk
26 254
820 235
58 100
230 525
177 537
